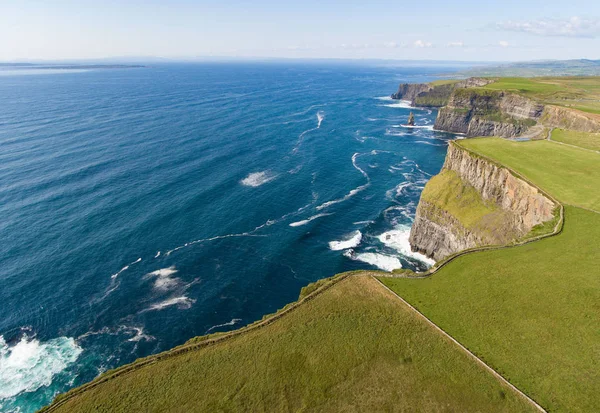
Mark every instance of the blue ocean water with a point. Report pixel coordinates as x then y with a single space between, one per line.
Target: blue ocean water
142 207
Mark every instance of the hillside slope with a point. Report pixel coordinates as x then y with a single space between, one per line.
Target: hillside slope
354 347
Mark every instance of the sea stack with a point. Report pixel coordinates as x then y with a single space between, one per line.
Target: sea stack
411 119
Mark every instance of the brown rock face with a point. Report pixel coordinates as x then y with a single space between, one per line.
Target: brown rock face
437 233
559 117
488 113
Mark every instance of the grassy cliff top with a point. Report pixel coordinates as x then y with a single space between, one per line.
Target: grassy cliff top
531 311
570 174
354 347
581 93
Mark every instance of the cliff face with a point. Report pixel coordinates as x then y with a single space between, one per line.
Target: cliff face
409 91
488 113
560 117
501 207
434 95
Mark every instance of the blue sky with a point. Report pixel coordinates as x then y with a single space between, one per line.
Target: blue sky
439 30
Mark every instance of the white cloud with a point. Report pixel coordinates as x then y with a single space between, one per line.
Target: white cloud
456 44
572 27
391 45
421 43
503 43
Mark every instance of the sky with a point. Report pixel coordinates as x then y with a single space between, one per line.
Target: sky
468 30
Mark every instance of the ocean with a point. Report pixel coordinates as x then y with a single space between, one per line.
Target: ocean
141 207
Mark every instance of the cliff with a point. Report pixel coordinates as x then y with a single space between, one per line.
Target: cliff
436 94
481 112
474 202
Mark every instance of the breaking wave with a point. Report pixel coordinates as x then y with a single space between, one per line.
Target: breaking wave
351 242
31 364
398 239
381 261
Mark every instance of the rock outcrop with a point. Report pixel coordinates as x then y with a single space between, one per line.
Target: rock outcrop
409 91
480 112
566 118
511 208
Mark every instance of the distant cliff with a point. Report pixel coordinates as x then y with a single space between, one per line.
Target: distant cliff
468 108
474 202
435 94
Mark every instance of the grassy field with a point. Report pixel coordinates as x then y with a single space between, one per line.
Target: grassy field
582 93
581 139
572 175
355 347
531 312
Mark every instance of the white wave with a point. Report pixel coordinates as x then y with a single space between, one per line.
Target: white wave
320 117
229 323
351 242
353 191
139 334
428 127
363 222
31 364
307 220
387 98
429 143
183 303
157 254
398 240
398 190
164 281
245 234
407 210
381 261
405 104
136 332
125 268
258 178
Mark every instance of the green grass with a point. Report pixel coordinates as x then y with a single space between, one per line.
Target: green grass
572 175
461 200
581 139
355 347
531 312
442 82
577 92
448 193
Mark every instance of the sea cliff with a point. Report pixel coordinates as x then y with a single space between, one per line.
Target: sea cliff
474 202
480 112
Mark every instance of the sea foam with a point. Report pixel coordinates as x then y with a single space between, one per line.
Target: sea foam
182 303
307 220
164 281
381 261
351 242
31 364
255 179
398 239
